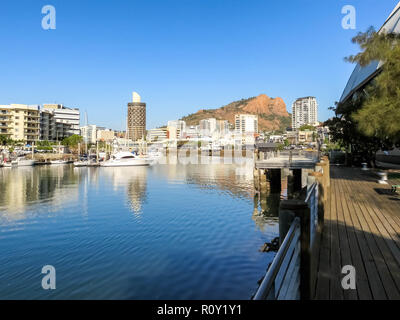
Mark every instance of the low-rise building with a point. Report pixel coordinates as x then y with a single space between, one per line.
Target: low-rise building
47 125
106 135
180 126
20 122
68 117
158 134
305 136
89 133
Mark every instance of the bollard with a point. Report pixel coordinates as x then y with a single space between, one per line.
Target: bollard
382 177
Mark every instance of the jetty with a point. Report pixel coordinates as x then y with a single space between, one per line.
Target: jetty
343 219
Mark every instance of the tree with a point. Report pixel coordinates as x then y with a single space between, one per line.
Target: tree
4 140
72 142
286 143
358 125
345 132
379 115
307 127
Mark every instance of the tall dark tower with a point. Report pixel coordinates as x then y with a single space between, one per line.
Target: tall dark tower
136 121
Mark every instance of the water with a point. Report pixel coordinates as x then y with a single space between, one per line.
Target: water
163 232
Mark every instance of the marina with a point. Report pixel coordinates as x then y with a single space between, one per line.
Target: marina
105 232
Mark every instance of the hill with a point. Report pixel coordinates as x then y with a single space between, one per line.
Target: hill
272 113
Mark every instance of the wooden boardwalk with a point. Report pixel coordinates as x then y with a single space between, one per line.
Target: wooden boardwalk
362 229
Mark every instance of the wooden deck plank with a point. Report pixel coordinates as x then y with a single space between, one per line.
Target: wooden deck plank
372 235
336 292
385 237
344 230
361 228
322 284
363 290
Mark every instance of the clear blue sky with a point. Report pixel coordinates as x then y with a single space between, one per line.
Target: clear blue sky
180 56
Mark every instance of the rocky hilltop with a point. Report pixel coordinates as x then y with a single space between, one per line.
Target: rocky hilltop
272 113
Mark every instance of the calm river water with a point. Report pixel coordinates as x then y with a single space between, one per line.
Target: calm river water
163 232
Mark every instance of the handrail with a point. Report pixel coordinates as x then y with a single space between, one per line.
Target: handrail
310 192
268 281
312 202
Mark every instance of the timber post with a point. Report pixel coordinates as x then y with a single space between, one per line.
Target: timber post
300 209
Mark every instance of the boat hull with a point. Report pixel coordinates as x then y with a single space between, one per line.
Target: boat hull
20 163
134 163
59 162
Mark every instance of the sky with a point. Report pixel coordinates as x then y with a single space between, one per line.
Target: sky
179 55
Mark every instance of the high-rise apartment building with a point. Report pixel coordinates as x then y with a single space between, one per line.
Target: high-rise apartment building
136 120
67 120
246 123
20 122
304 111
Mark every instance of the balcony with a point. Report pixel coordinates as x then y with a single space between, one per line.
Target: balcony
33 115
32 121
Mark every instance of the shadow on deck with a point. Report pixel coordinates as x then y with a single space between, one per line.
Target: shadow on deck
361 229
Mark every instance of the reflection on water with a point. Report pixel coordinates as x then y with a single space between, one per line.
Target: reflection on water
164 232
22 188
134 181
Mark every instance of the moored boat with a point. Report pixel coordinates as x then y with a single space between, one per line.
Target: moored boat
59 162
125 159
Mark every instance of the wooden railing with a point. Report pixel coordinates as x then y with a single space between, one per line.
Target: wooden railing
293 272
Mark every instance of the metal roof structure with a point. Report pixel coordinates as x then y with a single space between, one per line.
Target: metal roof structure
362 75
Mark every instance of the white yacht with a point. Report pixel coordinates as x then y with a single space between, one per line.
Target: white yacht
81 163
125 159
59 162
20 163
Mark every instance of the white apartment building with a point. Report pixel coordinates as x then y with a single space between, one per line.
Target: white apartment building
223 127
158 134
304 112
89 133
180 127
208 127
63 115
246 123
